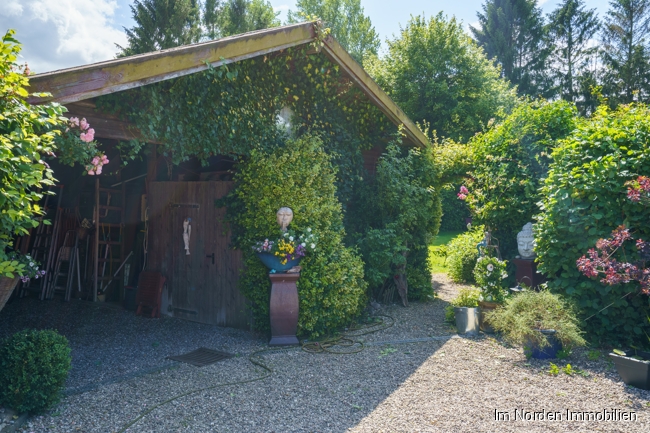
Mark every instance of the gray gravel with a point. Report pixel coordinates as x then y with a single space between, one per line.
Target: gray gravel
438 384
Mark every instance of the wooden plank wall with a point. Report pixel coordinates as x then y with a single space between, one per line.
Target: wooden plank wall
197 289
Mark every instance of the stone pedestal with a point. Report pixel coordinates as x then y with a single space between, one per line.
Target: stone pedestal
527 273
284 309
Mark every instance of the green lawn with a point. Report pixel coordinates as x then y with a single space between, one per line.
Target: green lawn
438 263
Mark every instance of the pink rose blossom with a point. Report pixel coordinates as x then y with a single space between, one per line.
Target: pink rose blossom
99 170
91 173
83 124
74 121
464 190
95 161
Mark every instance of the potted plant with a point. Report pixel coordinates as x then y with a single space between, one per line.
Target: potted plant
542 322
490 274
286 251
466 311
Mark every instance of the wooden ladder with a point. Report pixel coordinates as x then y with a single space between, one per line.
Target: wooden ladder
109 235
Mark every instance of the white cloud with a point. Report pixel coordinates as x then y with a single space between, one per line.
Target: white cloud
62 33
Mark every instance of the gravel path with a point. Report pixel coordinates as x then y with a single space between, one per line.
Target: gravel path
439 383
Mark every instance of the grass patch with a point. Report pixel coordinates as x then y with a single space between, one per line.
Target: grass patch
437 262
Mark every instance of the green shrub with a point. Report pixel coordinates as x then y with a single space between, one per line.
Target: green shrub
301 176
584 199
510 162
395 216
466 298
523 315
34 366
462 255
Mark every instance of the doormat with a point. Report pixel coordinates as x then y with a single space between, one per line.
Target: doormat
202 357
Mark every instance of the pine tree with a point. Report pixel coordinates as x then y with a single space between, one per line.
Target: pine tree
571 32
626 51
241 16
351 28
512 33
212 10
162 24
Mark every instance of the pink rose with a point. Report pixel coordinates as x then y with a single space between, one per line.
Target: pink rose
91 173
83 124
95 161
464 190
74 121
99 170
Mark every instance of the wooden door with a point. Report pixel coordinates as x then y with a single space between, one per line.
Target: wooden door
202 286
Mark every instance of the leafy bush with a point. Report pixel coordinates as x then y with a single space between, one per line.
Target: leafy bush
584 199
510 162
462 255
523 315
395 216
23 141
454 211
301 176
34 366
466 298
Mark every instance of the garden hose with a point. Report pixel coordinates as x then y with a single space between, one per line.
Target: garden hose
345 339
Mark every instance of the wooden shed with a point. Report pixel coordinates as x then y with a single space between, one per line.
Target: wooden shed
141 208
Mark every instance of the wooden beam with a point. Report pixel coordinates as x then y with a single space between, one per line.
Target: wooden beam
378 97
84 82
105 125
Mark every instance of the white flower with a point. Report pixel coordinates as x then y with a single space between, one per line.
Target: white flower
480 297
489 298
308 229
313 246
490 267
303 244
31 264
286 234
291 238
504 276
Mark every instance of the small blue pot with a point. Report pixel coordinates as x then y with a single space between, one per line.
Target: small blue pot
273 262
546 352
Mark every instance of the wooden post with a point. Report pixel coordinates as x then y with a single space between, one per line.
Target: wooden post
284 309
96 248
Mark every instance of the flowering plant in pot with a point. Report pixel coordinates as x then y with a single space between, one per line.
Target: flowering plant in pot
283 252
490 274
464 308
16 267
542 322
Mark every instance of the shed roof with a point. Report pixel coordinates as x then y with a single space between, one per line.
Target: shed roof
88 81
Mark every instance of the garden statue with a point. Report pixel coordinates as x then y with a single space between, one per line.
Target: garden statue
187 231
526 242
285 216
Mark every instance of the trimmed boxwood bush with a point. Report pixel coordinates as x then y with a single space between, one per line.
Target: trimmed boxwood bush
462 255
34 366
584 199
299 175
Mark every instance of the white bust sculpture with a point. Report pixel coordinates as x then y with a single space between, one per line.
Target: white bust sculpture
284 215
526 242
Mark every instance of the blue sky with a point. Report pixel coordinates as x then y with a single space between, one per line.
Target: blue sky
63 33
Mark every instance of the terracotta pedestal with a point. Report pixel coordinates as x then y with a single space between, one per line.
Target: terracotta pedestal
284 309
527 273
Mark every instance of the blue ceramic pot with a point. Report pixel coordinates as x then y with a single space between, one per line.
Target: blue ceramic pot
546 352
273 262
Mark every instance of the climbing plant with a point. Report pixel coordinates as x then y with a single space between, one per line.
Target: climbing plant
233 109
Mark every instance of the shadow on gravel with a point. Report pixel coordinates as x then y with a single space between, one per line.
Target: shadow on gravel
305 392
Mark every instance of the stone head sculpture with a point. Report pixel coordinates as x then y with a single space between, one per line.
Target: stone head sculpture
526 242
284 215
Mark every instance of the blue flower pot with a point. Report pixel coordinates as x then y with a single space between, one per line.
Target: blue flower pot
273 262
546 352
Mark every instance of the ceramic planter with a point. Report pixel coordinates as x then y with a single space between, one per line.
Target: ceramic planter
467 320
546 352
634 372
485 308
273 262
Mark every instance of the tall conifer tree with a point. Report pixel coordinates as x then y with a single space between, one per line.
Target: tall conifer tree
512 33
626 51
571 34
162 24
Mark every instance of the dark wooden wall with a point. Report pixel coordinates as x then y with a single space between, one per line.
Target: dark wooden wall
197 289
